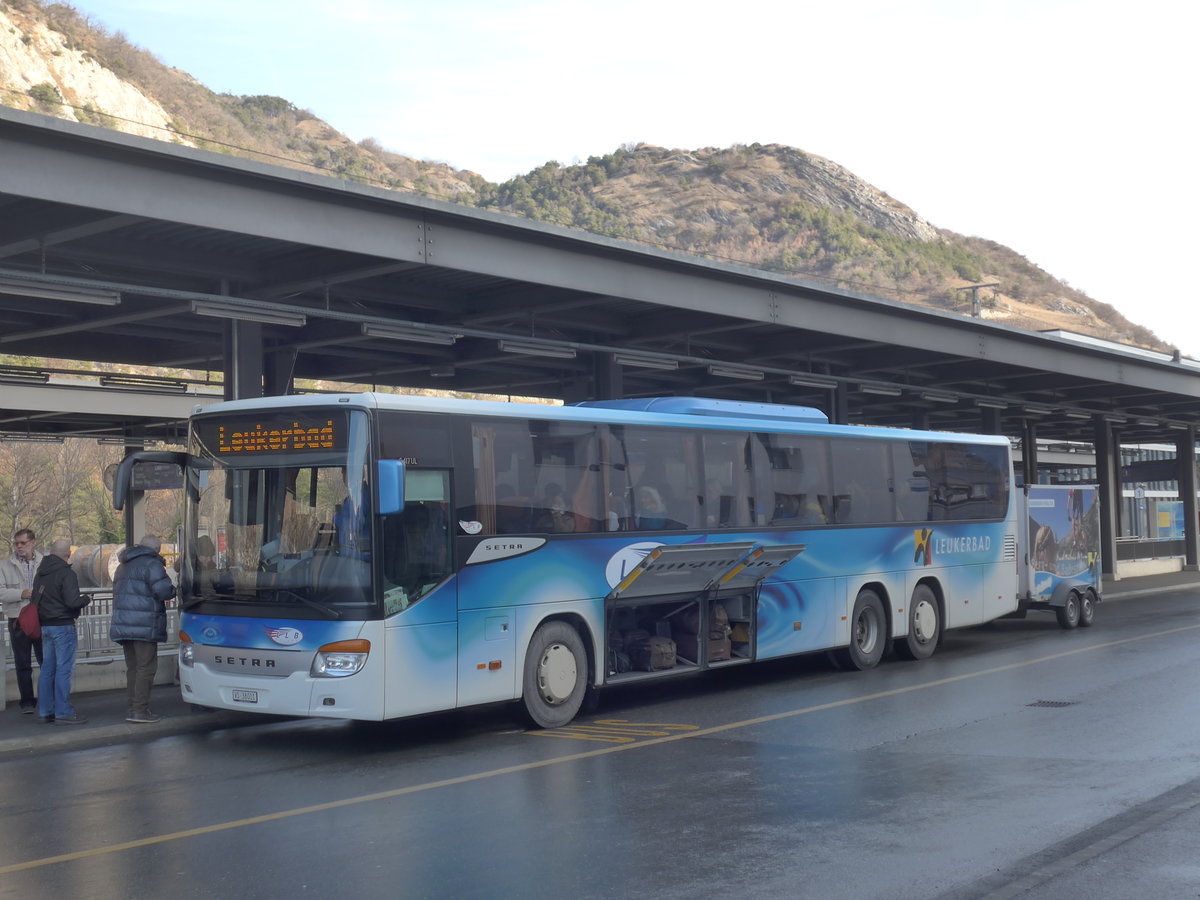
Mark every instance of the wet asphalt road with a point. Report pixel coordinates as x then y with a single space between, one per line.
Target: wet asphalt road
1021 760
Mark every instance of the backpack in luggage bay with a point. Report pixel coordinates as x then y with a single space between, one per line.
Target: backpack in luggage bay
718 621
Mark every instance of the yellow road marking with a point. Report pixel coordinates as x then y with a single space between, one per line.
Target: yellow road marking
612 731
558 760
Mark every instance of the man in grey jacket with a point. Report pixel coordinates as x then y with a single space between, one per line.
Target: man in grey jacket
16 584
141 589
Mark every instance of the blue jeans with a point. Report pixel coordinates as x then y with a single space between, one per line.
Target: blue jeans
58 665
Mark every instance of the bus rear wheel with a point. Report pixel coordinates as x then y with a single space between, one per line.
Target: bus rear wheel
1068 613
924 625
868 627
555 679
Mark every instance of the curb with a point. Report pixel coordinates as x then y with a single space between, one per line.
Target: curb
41 736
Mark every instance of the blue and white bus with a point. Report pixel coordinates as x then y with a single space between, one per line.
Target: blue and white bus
370 556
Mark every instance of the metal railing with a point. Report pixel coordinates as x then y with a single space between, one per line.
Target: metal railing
92 629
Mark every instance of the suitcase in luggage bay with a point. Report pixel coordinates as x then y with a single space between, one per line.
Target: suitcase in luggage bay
652 653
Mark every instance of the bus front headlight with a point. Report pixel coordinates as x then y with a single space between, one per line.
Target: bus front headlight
339 659
187 650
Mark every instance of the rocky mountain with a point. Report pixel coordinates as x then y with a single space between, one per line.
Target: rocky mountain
768 206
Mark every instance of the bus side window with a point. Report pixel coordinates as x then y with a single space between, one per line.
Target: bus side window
862 475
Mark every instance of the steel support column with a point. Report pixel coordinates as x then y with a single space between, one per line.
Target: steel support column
243 360
991 421
608 381
1108 470
1029 462
277 377
1185 456
839 411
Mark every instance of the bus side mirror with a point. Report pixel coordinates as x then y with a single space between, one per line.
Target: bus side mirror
389 482
123 477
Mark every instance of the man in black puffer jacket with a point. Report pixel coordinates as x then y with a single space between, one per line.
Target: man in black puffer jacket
141 589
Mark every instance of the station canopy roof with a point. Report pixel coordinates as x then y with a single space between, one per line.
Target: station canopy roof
123 250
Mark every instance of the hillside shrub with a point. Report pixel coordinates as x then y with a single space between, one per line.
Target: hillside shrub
46 94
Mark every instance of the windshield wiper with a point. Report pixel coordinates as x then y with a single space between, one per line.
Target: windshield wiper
313 604
225 597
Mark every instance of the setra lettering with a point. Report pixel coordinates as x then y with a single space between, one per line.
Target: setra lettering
248 662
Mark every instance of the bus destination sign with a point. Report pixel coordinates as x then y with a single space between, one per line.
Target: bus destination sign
245 437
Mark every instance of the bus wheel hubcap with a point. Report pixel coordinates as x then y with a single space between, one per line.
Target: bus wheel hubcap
924 622
557 674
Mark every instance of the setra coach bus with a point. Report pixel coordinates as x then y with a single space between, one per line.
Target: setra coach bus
370 556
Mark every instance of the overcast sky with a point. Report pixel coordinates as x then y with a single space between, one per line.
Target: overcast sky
1064 129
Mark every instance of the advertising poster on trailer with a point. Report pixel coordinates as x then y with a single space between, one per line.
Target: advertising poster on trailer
1064 537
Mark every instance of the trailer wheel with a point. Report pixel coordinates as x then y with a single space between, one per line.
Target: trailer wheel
1087 609
924 625
868 627
1068 613
555 679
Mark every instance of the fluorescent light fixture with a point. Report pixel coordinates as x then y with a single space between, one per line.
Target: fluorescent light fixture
1076 414
31 438
735 372
524 348
935 397
883 390
1149 423
1038 410
23 376
221 310
1177 426
143 383
96 296
807 381
1115 419
645 362
408 333
991 404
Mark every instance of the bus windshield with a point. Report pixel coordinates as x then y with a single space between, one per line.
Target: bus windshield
278 515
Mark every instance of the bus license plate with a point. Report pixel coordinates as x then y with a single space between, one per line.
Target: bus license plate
245 696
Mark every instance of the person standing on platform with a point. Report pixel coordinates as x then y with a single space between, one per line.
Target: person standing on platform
16 587
56 592
141 589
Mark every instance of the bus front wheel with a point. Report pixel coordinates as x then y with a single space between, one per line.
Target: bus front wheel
924 625
555 679
868 627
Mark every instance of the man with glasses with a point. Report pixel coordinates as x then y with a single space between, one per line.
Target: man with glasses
16 584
